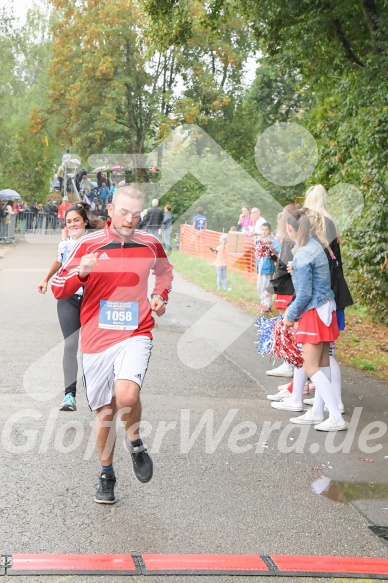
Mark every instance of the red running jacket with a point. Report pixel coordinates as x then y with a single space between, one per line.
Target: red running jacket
121 274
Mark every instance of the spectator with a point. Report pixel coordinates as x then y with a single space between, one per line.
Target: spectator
314 310
40 218
245 221
85 186
104 194
257 222
54 214
199 221
154 218
221 263
267 249
281 283
106 178
60 175
62 211
167 226
3 215
100 211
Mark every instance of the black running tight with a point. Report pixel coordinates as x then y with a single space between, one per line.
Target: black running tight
69 320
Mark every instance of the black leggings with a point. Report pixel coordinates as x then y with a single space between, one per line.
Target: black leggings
69 320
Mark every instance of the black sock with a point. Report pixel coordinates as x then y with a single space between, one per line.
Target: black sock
137 443
107 470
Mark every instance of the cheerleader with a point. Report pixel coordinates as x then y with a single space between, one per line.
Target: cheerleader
281 285
314 310
327 233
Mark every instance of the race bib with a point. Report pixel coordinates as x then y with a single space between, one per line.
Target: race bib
118 315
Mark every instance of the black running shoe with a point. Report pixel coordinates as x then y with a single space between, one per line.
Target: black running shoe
143 467
105 492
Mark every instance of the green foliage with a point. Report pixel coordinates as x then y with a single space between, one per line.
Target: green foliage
325 67
182 196
26 156
363 364
352 129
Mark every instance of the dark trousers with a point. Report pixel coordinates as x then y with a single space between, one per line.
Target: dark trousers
69 320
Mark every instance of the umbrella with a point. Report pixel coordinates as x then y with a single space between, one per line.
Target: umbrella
74 161
9 194
100 169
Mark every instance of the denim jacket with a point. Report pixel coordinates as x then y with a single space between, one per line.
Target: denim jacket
311 279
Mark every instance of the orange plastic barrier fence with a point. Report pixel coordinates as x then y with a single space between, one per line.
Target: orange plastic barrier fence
241 249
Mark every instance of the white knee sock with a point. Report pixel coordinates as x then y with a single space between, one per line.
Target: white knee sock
318 405
300 379
336 380
324 391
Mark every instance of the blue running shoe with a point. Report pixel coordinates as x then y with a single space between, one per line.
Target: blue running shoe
68 403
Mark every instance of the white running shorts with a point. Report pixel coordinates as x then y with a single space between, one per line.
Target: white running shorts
127 360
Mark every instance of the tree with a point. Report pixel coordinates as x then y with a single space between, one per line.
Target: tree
108 90
339 53
26 156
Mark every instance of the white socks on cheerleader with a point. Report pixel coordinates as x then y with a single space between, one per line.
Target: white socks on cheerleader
336 380
324 394
300 379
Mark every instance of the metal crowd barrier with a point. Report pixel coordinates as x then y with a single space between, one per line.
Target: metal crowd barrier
7 229
27 222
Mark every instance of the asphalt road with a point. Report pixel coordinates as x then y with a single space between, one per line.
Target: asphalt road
231 476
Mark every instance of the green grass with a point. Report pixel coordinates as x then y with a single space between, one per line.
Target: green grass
362 346
363 364
357 310
243 292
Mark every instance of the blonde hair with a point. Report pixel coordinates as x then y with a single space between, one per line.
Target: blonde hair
317 221
316 200
129 191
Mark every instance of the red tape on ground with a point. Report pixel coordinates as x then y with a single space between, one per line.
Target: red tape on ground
197 564
76 564
301 564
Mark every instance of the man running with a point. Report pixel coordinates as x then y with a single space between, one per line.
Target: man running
114 265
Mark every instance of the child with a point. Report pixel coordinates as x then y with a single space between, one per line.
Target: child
266 249
104 195
221 263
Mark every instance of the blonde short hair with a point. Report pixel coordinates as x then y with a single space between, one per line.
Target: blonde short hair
130 191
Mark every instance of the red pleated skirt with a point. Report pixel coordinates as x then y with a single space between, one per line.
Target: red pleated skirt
282 301
311 329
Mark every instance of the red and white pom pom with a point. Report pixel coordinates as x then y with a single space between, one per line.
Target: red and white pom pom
283 345
264 248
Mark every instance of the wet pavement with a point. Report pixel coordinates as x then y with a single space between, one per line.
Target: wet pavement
232 476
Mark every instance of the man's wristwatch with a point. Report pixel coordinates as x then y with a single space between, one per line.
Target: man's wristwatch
160 297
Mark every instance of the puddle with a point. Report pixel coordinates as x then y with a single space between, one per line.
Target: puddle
346 492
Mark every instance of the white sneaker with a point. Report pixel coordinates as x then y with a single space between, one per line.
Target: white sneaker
284 370
288 405
340 407
311 402
308 401
307 419
279 396
332 424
